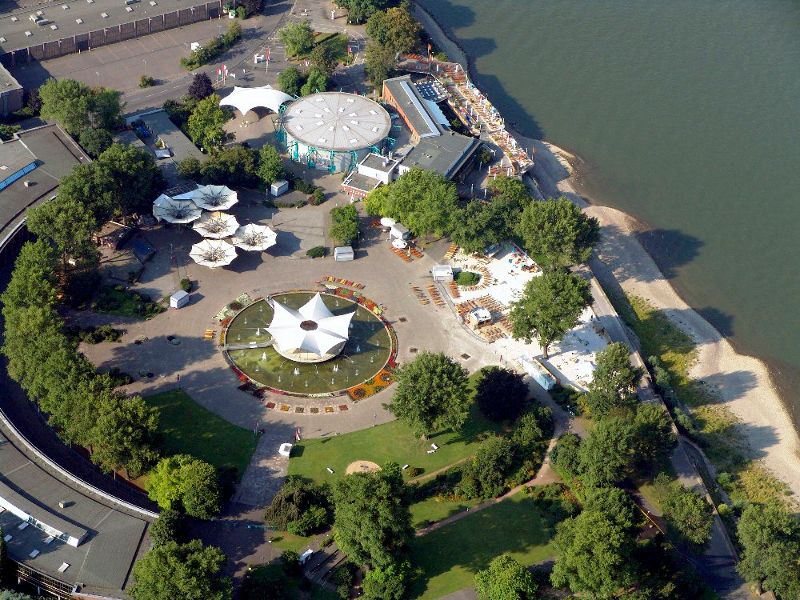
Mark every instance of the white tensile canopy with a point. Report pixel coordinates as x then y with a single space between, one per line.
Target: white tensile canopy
213 253
214 197
175 211
246 99
216 225
255 238
313 329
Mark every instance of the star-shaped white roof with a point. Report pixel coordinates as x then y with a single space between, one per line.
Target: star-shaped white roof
313 328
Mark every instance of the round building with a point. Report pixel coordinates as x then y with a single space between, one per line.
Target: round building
334 130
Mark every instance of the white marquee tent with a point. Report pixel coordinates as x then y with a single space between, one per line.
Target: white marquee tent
255 238
214 197
213 253
246 99
216 225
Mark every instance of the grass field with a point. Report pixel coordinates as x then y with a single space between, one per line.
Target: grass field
392 441
272 576
448 558
435 509
185 427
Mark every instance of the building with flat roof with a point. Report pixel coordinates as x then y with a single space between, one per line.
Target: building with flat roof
423 117
11 93
60 538
179 146
31 165
449 154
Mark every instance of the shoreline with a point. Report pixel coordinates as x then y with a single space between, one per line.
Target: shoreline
743 383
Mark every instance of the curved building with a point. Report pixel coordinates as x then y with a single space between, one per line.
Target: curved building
334 130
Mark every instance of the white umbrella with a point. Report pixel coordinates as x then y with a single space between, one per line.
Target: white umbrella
214 197
256 238
175 211
216 225
387 221
213 253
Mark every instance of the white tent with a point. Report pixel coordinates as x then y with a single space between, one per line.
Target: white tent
214 197
246 99
175 211
255 238
311 333
213 253
216 225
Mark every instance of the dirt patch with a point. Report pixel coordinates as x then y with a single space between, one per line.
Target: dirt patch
361 466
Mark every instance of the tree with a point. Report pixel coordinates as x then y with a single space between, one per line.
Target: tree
424 201
251 7
387 583
325 57
614 380
205 125
270 165
550 306
770 539
76 107
380 61
94 141
317 81
169 527
505 579
92 185
556 233
189 168
394 28
689 514
608 452
431 394
201 86
187 571
501 394
594 555
300 507
485 475
12 595
297 37
358 11
614 504
566 455
234 165
124 434
290 80
655 438
182 481
344 225
135 175
372 520
69 224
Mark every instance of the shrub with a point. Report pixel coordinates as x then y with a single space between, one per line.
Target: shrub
119 377
189 168
344 226
146 81
485 475
213 49
317 252
415 472
318 197
236 305
301 185
186 284
467 278
299 507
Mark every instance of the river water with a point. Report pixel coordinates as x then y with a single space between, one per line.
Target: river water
687 115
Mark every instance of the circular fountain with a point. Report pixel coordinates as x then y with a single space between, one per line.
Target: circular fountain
282 343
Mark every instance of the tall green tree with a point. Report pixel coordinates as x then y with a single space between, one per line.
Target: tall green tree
297 37
394 28
69 224
344 224
655 438
233 165
550 306
182 481
613 384
556 233
424 201
770 540
325 57
608 453
270 165
371 516
290 80
380 60
689 514
594 556
485 474
431 394
93 186
505 579
387 583
124 434
316 81
186 571
76 106
358 11
95 141
206 123
136 177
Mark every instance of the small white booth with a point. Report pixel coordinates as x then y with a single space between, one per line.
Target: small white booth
343 253
398 231
279 187
442 273
179 299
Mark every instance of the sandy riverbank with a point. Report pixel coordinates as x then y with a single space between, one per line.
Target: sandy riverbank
742 382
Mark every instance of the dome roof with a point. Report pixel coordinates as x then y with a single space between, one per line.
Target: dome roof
312 329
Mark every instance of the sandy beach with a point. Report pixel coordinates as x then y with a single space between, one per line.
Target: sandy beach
742 382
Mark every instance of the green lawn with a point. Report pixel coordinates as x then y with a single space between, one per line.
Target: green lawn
435 509
288 541
188 428
272 576
448 558
116 300
389 442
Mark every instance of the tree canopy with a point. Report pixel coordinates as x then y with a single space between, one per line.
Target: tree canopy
608 453
205 124
297 37
187 571
290 80
201 86
556 233
182 481
316 81
135 175
270 165
505 579
358 11
613 382
124 433
550 306
372 519
94 141
770 540
380 61
688 513
326 56
431 394
394 28
77 107
501 394
344 224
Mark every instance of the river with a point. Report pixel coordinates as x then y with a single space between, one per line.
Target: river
686 115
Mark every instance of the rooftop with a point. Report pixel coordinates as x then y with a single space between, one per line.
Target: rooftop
161 126
101 564
445 154
414 106
7 81
337 121
360 182
379 162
